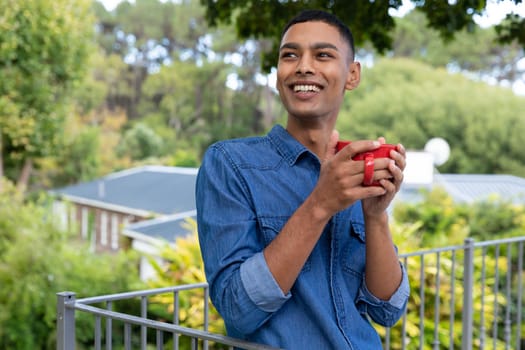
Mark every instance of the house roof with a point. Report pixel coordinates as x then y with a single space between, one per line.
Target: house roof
476 187
469 188
144 191
166 228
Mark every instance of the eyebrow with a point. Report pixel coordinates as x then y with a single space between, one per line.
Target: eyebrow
316 46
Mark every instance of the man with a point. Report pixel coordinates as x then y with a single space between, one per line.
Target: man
297 251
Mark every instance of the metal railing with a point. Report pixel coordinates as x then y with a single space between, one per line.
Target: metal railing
463 297
67 304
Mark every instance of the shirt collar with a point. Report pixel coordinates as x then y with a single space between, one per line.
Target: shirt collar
289 148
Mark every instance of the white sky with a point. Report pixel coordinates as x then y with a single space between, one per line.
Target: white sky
496 10
110 4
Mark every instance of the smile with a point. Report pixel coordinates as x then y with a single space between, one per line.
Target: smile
306 88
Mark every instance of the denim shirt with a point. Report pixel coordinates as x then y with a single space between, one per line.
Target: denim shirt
246 191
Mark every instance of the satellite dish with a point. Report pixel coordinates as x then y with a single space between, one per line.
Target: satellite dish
439 149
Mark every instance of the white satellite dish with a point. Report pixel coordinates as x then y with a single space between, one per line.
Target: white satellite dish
439 149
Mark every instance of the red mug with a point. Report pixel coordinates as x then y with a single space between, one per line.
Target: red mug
382 152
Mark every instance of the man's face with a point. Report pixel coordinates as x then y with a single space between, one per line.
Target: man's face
314 70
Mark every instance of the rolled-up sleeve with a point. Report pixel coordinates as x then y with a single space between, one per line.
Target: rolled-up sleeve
260 284
385 312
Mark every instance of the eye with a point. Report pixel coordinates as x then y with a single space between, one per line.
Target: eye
288 54
324 54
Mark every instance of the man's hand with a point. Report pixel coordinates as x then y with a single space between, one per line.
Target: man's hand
340 181
374 206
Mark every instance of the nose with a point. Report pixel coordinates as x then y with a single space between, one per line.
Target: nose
305 65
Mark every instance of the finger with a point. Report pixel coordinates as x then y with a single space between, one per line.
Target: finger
332 142
401 149
399 156
397 174
399 160
388 186
372 191
383 174
361 146
382 163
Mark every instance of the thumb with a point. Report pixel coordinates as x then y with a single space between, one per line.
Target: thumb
330 148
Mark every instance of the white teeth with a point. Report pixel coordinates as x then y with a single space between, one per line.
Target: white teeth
306 88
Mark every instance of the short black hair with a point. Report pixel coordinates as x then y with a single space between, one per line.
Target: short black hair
326 17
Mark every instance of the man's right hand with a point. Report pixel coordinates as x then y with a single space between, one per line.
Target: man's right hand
340 181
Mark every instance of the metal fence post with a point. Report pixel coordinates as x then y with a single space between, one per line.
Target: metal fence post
65 321
468 280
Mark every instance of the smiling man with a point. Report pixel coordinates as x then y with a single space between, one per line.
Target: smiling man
297 251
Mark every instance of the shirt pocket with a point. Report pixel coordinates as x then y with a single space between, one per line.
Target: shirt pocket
354 250
270 227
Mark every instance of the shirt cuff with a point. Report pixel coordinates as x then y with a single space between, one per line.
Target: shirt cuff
397 300
260 284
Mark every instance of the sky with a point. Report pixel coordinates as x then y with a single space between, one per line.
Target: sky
495 11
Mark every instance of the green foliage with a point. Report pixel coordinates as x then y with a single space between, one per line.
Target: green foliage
495 218
140 142
182 264
441 222
475 53
96 85
78 160
43 50
439 296
37 260
174 26
185 158
438 222
190 106
410 102
369 20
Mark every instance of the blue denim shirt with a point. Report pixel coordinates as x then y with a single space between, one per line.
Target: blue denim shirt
246 191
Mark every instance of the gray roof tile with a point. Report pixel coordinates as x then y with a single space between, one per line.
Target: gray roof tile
155 189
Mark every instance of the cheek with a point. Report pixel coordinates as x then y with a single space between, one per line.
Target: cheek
279 85
339 80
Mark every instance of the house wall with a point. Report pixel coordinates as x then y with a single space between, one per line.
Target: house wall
101 227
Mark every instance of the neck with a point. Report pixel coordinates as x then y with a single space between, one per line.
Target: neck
314 138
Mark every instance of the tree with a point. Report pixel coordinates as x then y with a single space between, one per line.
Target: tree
147 35
166 67
140 142
369 20
410 102
43 48
477 54
192 106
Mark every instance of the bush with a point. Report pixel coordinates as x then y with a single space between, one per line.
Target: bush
38 260
183 265
438 222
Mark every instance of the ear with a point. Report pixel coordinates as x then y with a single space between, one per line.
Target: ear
354 76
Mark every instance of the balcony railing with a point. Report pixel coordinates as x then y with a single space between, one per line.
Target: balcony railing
463 297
